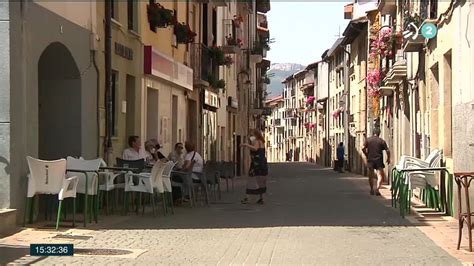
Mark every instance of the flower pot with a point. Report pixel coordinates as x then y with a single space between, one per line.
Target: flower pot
158 16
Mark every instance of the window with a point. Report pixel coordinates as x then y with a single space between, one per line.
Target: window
114 7
115 96
132 15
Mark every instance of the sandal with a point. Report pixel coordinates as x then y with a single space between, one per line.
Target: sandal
245 201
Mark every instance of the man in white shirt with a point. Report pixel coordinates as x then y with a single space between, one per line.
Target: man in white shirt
193 161
135 152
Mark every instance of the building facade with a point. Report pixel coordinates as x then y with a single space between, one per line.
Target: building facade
274 133
50 94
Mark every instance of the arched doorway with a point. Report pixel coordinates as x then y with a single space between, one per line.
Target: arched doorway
59 103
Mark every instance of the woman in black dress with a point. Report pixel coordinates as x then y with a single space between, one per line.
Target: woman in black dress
257 180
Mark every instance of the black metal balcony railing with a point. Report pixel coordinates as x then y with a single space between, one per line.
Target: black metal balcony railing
203 63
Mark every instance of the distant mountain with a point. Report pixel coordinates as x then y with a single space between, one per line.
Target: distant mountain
278 72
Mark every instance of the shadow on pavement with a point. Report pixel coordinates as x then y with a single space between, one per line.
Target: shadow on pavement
299 194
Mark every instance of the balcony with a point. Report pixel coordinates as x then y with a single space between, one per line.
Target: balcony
278 123
232 37
216 3
413 45
263 6
261 47
202 65
397 73
222 3
387 90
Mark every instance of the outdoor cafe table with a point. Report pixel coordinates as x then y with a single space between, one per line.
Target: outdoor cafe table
86 174
447 208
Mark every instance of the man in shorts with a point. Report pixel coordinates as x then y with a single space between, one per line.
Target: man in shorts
373 150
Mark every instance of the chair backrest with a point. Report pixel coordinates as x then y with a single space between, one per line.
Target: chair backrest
210 169
138 164
81 164
168 168
436 160
46 177
157 173
433 154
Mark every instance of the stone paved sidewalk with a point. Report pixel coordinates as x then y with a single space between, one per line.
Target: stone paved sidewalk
311 216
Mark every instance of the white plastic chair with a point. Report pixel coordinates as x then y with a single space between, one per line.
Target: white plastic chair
90 174
107 183
167 186
167 176
423 179
404 162
143 183
49 177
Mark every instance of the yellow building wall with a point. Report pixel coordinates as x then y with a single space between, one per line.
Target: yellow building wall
164 41
123 67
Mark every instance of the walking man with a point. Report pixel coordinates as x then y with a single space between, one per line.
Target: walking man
373 150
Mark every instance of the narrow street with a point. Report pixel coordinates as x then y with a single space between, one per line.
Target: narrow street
312 216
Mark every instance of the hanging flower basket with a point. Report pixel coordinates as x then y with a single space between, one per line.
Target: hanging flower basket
158 16
183 33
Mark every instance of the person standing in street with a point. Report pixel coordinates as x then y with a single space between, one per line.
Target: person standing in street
340 157
257 180
373 150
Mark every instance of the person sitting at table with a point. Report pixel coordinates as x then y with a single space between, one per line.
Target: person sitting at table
176 155
135 151
152 146
193 161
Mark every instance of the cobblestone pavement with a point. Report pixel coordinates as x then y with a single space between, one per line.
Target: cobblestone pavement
311 216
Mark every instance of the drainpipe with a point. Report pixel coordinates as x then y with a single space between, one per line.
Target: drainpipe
94 61
347 100
108 82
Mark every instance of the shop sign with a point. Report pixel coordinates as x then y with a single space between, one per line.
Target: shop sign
160 65
123 51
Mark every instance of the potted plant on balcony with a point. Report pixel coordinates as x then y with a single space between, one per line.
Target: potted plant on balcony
158 16
217 55
183 33
259 46
216 83
234 41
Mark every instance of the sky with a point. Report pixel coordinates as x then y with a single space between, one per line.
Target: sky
303 30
